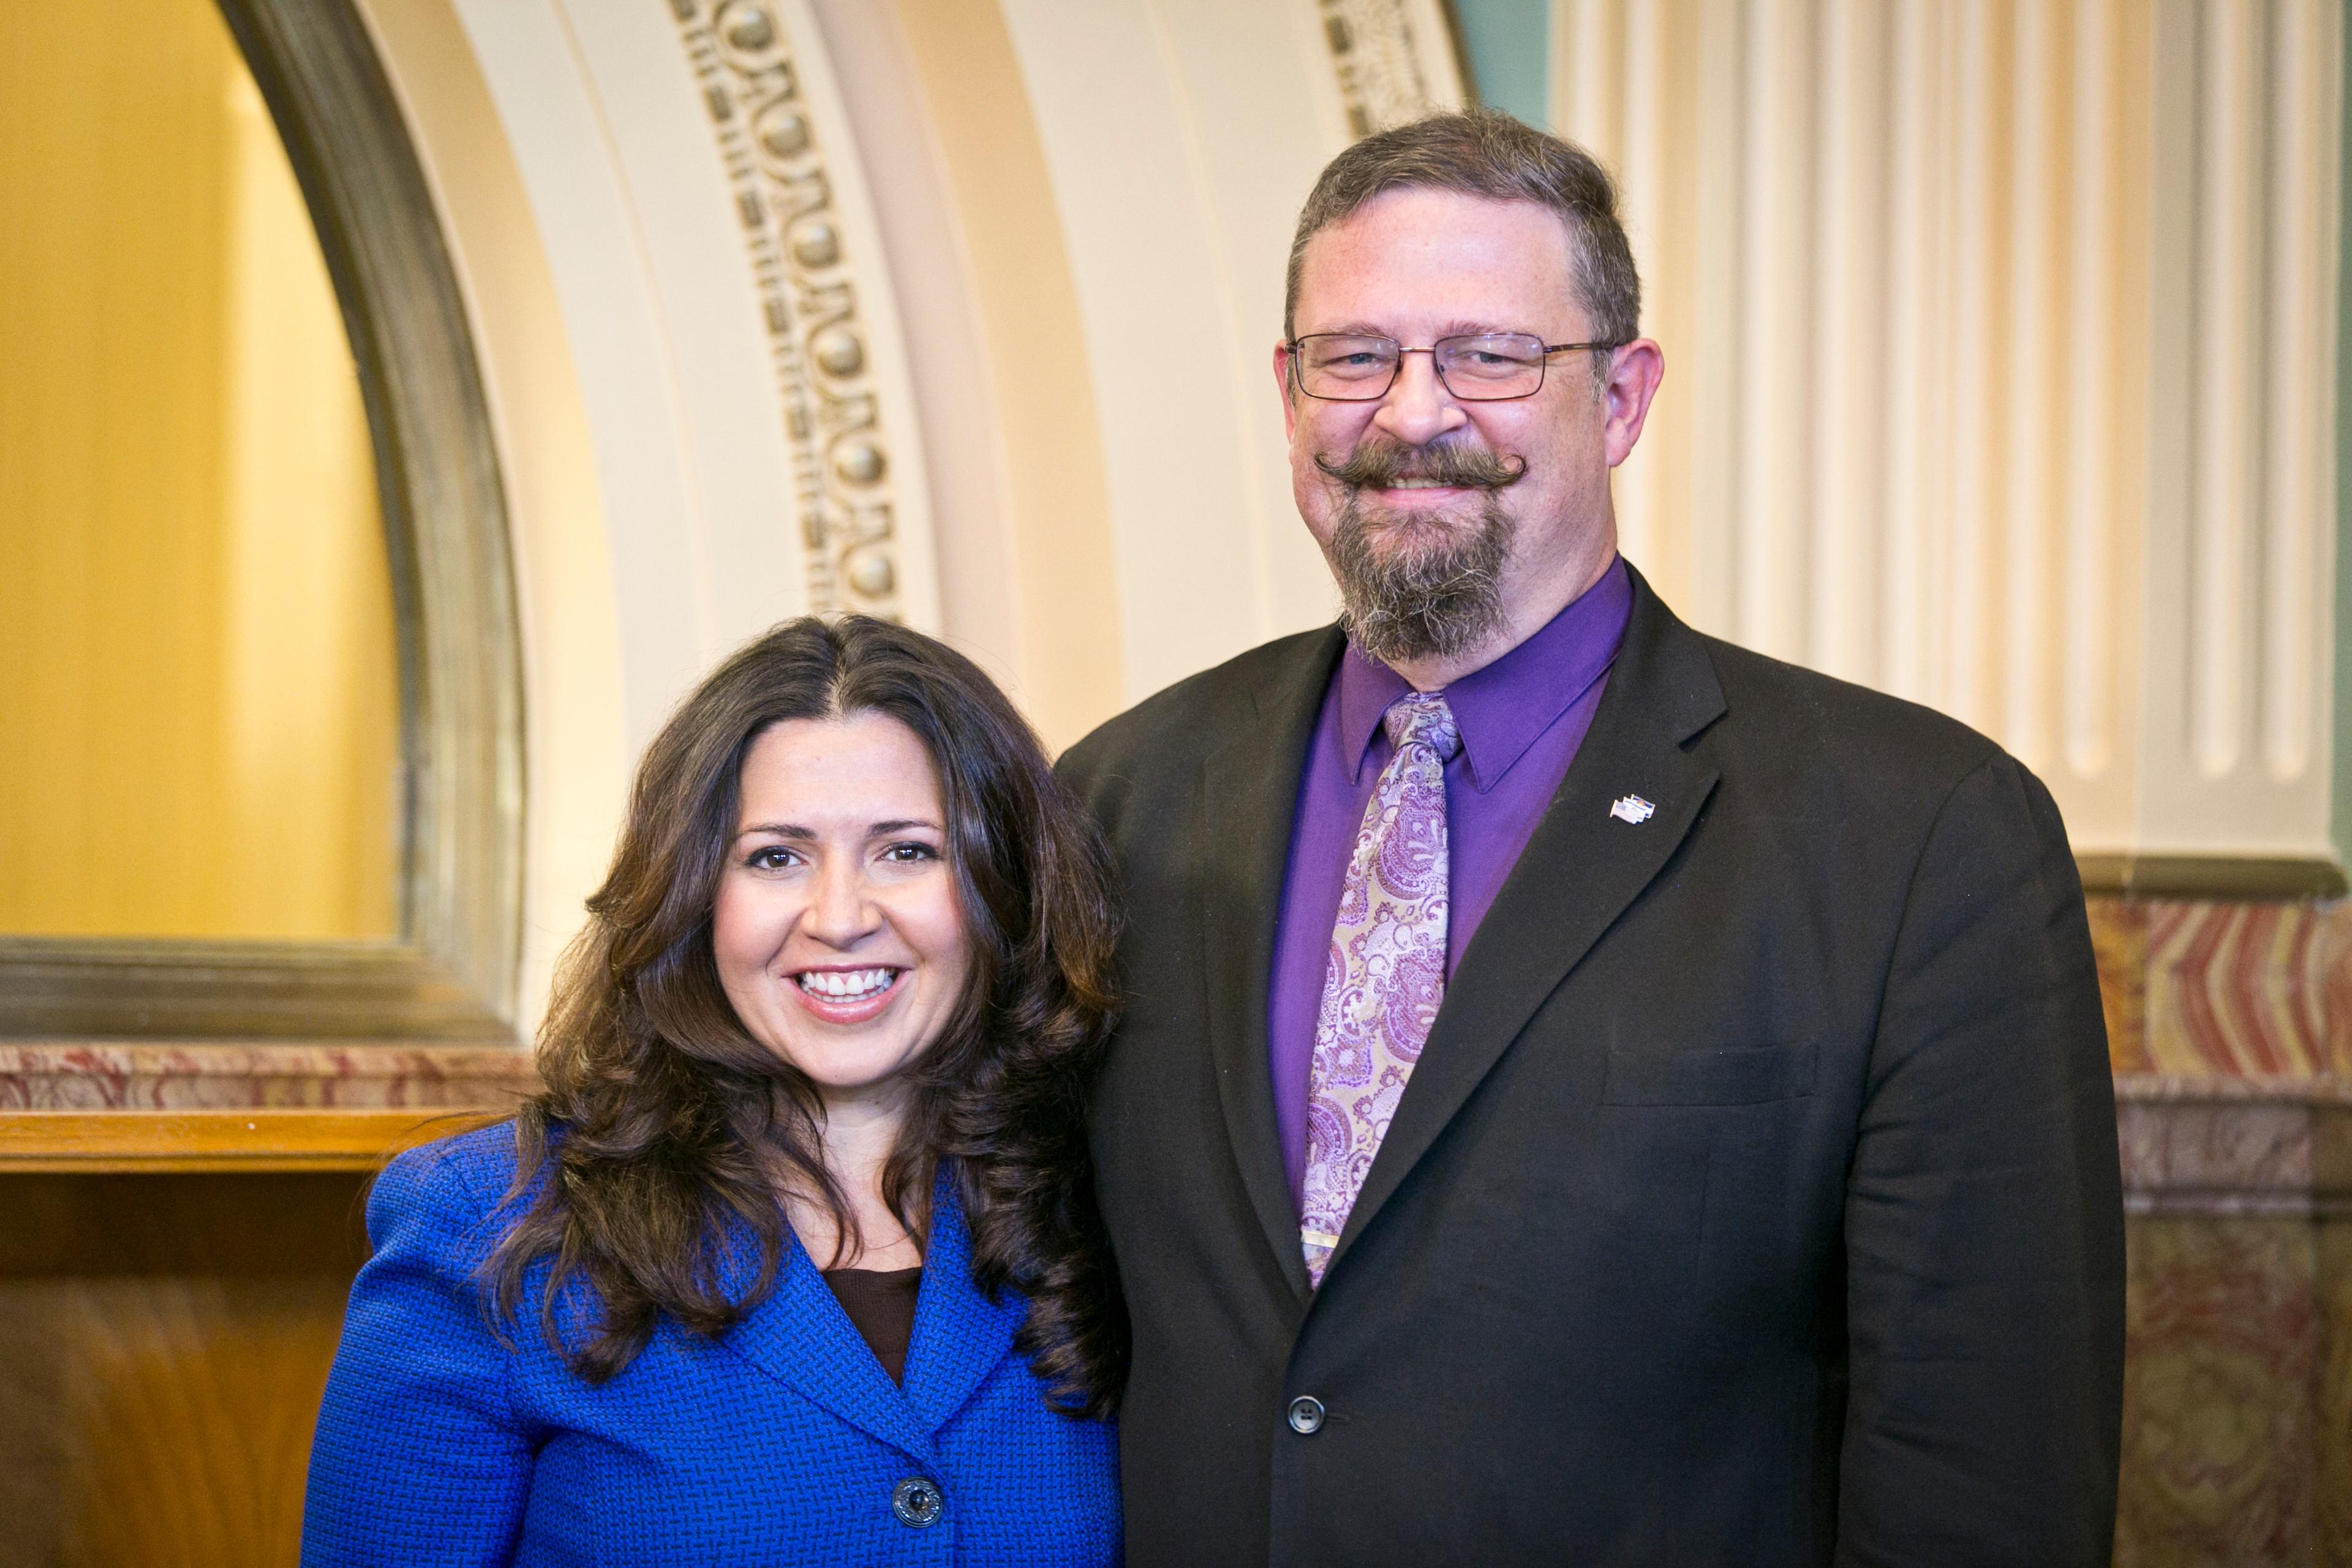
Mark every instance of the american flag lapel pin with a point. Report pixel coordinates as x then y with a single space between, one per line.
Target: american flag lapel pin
1631 809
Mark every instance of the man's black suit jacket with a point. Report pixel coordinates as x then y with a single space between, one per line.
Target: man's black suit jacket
1755 1199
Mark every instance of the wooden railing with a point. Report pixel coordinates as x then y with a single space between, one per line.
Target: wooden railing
160 1142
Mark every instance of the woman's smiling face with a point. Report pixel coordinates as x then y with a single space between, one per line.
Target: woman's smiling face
838 934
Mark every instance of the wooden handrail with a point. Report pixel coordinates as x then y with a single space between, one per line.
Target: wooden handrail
308 1139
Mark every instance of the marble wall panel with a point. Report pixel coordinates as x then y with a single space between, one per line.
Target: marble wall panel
2119 940
2229 1028
2189 1146
2218 1417
2336 922
98 1076
2243 990
2333 1520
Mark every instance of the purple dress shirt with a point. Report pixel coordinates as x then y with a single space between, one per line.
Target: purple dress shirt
1522 718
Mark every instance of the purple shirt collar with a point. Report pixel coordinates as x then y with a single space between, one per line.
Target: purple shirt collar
1503 706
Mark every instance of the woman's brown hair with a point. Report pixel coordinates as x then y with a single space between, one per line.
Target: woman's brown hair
663 1126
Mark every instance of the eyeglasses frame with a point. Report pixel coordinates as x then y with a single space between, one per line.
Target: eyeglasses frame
1299 380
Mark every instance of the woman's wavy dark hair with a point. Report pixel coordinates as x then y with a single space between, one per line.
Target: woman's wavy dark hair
664 1125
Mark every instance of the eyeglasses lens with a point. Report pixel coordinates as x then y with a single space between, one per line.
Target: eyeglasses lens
1499 364
1334 364
1349 368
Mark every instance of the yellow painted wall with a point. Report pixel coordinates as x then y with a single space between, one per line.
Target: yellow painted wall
199 728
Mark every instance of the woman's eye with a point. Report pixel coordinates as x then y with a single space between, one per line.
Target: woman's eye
774 857
908 854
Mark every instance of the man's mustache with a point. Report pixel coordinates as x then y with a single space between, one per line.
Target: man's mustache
1383 465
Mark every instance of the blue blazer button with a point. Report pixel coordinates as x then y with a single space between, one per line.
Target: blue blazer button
1306 1415
916 1502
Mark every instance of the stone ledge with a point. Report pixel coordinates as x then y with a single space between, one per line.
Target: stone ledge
2235 1146
338 1074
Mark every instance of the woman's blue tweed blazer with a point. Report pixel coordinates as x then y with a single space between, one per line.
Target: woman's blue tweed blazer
782 1442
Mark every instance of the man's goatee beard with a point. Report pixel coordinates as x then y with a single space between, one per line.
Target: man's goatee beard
1414 599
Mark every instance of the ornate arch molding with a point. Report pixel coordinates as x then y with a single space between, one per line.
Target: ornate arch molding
1396 60
821 306
451 976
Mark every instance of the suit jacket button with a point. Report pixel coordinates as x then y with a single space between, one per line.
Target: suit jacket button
916 1502
1307 1416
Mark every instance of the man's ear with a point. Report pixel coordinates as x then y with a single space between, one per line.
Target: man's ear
1283 388
1635 372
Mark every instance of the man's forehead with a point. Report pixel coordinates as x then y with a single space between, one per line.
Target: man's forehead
1437 254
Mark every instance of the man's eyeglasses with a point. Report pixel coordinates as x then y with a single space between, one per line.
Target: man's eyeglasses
1476 367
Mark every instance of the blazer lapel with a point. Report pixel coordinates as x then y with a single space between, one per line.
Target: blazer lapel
960 1336
1580 871
1248 795
802 1338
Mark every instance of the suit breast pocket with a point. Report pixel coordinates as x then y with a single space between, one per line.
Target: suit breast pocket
1712 1074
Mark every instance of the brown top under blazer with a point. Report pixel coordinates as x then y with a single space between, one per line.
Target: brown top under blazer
1756 1197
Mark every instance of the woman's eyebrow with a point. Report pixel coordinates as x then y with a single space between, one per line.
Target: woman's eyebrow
794 830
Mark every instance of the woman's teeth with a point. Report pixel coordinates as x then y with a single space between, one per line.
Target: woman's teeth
847 984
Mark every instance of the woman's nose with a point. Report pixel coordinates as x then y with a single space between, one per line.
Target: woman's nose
840 908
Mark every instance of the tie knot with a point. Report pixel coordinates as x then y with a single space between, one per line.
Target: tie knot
1422 719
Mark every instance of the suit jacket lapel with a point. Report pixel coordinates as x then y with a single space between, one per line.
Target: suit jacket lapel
960 1336
800 1337
1580 871
1248 795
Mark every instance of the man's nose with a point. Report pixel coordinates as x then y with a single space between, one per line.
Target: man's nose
1418 409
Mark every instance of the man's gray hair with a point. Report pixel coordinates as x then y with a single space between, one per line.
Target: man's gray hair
1486 152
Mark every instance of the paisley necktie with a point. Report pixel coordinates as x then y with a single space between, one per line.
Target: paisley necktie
1387 970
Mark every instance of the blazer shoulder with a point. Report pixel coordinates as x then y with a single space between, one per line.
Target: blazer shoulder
457 1187
1804 717
1190 716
